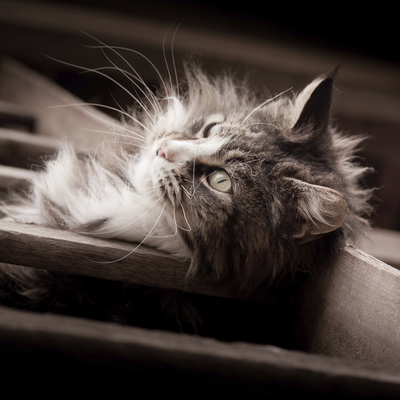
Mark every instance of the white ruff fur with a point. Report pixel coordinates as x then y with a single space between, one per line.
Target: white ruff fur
92 193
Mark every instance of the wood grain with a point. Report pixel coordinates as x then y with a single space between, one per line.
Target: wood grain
58 113
352 310
15 178
40 247
384 244
20 149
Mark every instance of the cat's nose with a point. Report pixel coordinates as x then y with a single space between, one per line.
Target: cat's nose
165 151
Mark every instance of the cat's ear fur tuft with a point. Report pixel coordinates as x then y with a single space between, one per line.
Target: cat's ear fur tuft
321 210
313 104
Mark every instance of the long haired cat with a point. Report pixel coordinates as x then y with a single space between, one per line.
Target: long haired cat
250 189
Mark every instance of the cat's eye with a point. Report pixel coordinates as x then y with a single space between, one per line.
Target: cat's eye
207 129
221 181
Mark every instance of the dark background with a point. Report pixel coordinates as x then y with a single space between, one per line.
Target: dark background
367 29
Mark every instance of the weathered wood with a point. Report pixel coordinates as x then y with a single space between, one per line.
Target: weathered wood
352 310
59 113
17 117
40 247
15 178
384 245
21 149
179 361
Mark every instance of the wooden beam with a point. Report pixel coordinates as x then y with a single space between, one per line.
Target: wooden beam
59 114
17 117
384 244
15 178
178 361
21 149
40 247
352 310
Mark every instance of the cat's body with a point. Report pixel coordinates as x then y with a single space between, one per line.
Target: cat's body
250 190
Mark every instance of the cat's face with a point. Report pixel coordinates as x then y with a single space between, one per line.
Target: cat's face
250 187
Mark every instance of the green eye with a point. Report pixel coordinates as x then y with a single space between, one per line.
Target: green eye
220 181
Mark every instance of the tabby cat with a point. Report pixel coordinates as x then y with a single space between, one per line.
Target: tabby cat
252 190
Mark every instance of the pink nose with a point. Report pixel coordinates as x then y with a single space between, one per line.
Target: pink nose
165 151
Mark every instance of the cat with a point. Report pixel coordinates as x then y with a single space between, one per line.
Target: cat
251 190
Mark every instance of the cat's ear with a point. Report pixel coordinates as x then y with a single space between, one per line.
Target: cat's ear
313 105
320 210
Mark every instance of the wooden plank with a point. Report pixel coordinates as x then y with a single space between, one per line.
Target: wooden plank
16 117
178 361
384 244
40 247
352 310
59 113
13 178
21 149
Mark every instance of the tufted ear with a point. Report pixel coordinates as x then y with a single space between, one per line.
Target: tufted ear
314 103
321 210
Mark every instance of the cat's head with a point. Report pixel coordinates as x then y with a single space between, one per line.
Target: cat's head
258 188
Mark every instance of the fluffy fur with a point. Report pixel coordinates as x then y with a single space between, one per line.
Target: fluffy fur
287 195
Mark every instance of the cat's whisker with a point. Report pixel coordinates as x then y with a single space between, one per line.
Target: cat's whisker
251 170
236 165
200 182
136 75
141 104
234 170
127 143
263 104
251 161
186 192
171 235
166 61
132 251
192 181
128 224
116 134
193 174
112 80
136 205
108 122
173 58
137 99
186 220
131 76
251 148
151 98
244 164
262 123
215 90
